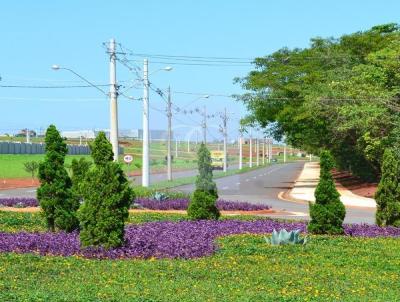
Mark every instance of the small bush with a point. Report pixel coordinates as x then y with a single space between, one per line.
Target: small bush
202 206
328 212
54 193
203 202
388 194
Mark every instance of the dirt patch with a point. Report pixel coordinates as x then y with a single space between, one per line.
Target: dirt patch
16 183
355 184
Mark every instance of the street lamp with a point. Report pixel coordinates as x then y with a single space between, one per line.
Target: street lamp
113 110
146 147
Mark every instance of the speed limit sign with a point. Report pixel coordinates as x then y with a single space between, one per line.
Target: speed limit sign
128 158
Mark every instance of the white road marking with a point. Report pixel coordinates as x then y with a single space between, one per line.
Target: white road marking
225 188
247 179
254 177
238 183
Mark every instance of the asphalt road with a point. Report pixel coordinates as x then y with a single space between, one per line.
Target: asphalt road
266 186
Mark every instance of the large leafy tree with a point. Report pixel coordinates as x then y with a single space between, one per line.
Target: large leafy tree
106 199
338 94
54 193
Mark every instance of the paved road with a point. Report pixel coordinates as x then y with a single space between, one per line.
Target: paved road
154 178
267 184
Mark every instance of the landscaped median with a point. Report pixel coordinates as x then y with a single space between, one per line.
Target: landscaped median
173 259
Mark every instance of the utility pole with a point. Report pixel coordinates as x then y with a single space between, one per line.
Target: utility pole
258 151
251 150
169 115
145 149
28 136
225 133
241 150
188 145
263 151
176 148
284 153
113 101
205 125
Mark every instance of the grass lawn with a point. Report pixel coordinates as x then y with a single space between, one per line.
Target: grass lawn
244 268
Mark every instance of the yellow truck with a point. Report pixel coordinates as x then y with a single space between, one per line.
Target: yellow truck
217 160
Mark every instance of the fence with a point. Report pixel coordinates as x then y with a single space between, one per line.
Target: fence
32 148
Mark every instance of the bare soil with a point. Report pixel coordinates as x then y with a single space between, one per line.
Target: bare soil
355 184
15 183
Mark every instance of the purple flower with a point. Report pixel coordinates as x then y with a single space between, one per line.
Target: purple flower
20 202
185 239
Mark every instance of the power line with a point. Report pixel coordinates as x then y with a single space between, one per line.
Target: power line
51 87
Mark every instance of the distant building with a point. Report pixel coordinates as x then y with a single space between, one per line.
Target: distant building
123 133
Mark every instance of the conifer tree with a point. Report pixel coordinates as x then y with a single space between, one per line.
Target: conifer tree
328 212
203 201
54 193
106 199
388 194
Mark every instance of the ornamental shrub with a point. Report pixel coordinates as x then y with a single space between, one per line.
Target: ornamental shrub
388 194
54 193
203 201
106 199
79 169
328 212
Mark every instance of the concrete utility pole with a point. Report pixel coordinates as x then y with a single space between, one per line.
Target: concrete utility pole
251 150
263 151
188 145
28 136
284 153
176 148
225 133
241 150
113 101
169 115
205 125
145 149
258 151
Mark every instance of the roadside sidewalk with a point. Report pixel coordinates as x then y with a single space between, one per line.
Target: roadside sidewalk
304 188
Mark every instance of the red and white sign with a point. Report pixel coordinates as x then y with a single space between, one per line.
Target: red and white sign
128 158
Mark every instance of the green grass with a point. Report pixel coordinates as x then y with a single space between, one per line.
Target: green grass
12 165
245 268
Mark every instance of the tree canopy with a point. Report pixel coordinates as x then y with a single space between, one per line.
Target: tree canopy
338 94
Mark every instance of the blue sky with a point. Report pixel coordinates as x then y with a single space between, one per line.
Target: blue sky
37 34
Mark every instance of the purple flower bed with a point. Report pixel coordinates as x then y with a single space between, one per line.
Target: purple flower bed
19 202
151 204
186 239
182 204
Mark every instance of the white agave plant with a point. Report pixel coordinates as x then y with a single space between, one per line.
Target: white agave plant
285 237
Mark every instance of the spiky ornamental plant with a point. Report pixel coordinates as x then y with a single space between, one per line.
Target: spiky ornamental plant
54 193
328 212
106 199
203 202
388 194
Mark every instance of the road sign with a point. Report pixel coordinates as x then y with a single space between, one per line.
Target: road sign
128 158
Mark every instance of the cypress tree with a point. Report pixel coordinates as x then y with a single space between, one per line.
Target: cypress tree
388 194
203 201
328 212
54 193
79 169
106 199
